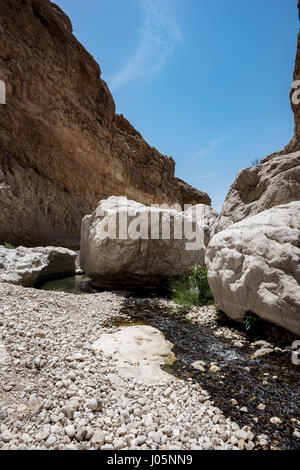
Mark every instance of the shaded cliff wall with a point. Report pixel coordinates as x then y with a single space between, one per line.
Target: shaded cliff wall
62 146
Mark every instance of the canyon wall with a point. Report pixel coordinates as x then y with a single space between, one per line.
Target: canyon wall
63 148
294 145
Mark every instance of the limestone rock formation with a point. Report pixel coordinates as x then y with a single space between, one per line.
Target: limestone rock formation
254 266
27 266
138 352
139 254
62 146
275 181
294 145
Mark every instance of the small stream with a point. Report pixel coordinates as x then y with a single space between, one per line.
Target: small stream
272 380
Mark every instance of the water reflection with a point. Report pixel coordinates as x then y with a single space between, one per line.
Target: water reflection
79 284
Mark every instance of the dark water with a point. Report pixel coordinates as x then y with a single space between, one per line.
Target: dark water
72 285
197 343
249 387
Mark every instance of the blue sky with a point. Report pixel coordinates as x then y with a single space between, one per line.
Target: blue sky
206 82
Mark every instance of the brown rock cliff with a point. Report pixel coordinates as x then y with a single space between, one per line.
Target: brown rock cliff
62 146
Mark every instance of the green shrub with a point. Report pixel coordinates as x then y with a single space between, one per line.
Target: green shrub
253 324
192 290
8 246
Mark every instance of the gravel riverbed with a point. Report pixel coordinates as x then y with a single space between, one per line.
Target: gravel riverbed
58 393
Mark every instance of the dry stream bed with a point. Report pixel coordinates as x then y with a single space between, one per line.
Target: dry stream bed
249 391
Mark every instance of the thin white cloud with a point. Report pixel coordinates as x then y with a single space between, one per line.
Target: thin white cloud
158 37
212 147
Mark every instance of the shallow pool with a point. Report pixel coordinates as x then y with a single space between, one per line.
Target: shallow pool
72 285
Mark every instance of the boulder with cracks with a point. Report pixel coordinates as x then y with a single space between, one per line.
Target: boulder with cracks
125 243
27 266
254 266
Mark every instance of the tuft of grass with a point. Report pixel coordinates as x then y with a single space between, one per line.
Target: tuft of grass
217 308
253 325
193 290
9 246
256 162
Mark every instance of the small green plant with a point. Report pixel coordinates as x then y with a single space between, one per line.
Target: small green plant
8 246
256 162
217 308
192 290
253 324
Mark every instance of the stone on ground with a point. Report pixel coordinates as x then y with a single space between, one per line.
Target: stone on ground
254 266
138 352
26 266
137 257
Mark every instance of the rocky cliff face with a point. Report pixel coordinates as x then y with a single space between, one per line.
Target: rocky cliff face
294 145
62 146
275 181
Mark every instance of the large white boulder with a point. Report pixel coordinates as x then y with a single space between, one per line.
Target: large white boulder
131 256
254 266
27 266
